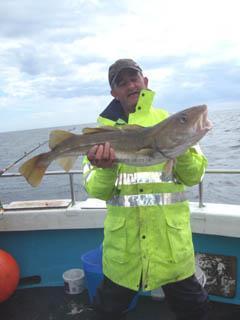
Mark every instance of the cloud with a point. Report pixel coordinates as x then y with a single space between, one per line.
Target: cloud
211 83
20 114
57 52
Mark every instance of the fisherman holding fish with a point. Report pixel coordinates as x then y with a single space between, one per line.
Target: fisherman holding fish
139 160
147 234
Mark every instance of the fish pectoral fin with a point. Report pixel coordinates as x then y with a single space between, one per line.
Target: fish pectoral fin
67 162
58 136
168 167
146 152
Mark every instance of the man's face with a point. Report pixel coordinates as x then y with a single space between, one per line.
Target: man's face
127 88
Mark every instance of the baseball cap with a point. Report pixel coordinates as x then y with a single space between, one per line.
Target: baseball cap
118 66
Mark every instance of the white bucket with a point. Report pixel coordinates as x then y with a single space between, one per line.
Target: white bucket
74 281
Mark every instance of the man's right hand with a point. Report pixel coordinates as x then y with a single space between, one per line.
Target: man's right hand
102 156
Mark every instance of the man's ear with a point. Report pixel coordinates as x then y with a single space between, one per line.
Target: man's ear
146 81
113 93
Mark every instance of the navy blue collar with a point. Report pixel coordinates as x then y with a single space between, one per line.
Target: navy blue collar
114 111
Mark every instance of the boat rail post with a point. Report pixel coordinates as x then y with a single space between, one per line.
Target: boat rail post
72 189
1 210
200 194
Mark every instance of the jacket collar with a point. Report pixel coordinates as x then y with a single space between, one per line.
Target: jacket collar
115 112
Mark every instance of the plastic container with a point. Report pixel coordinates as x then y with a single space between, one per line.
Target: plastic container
74 281
92 266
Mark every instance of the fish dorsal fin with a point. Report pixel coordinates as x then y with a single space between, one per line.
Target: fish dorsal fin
131 127
110 128
58 136
98 129
67 162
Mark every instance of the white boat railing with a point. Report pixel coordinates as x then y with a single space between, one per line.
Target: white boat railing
73 172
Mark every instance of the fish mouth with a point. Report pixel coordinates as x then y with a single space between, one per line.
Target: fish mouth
204 124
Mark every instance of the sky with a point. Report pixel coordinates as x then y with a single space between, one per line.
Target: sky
55 54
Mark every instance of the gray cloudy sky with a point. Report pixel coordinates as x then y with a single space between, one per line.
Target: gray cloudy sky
54 56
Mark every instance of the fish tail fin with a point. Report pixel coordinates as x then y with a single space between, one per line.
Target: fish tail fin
34 169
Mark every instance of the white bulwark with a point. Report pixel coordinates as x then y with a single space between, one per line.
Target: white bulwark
215 219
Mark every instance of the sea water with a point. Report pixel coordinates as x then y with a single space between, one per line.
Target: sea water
221 146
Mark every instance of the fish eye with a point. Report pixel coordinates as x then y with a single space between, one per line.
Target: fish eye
183 118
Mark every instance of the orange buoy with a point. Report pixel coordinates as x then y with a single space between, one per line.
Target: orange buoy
9 275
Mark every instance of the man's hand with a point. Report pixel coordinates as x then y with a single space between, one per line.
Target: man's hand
102 156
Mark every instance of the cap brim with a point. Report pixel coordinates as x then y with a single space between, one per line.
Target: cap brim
124 68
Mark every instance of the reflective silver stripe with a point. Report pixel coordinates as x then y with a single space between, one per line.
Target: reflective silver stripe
142 177
87 171
136 200
87 167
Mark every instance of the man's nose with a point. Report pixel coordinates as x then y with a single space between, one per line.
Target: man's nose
131 84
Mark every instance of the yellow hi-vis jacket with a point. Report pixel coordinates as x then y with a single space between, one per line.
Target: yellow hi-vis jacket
147 233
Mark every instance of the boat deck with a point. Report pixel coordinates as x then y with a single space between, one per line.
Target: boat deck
52 303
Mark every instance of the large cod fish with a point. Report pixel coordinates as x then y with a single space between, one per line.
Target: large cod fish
133 145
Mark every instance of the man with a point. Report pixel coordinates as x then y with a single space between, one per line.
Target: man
147 235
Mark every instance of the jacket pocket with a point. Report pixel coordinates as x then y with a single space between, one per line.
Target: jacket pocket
179 232
115 239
